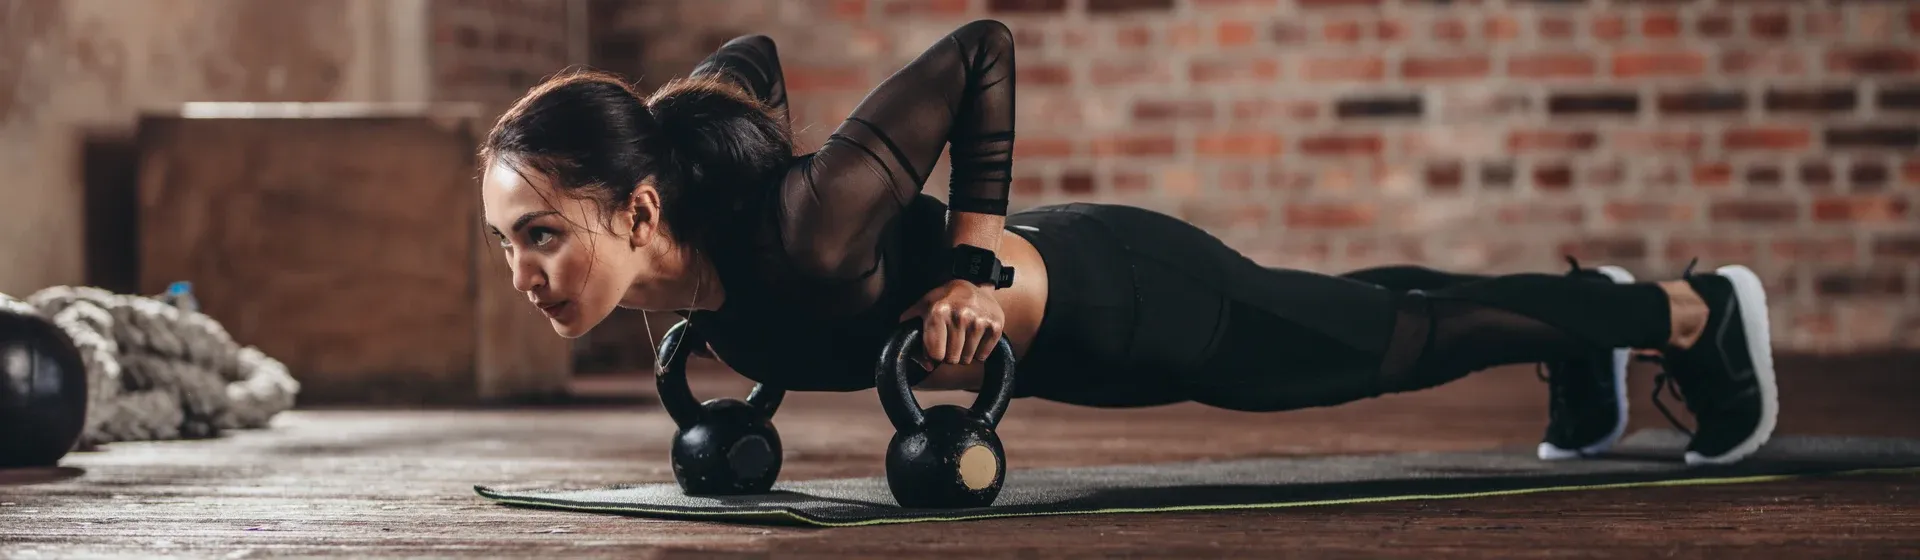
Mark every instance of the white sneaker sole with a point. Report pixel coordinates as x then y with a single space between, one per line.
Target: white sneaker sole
1752 297
1551 452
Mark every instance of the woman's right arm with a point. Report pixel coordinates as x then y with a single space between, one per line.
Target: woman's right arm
753 63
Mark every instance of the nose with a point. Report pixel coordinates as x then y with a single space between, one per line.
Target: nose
527 274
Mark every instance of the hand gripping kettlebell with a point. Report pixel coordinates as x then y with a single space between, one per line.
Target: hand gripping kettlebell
724 446
945 456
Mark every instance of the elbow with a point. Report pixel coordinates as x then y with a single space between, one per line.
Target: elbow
988 35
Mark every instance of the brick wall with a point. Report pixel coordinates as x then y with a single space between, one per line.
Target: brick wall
1478 136
491 51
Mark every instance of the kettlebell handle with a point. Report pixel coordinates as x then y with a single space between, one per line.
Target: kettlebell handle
670 379
896 367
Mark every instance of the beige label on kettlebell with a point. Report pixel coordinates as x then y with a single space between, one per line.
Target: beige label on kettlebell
977 466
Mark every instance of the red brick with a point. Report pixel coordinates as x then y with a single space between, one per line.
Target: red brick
1208 5
1913 21
1649 212
1880 282
1636 64
1522 141
1768 138
1602 249
1770 25
1451 31
1235 179
1042 148
1029 187
1609 27
1134 36
849 10
1216 215
1159 110
1661 25
1130 183
1337 145
1910 172
1541 213
1716 25
1127 6
1034 74
1447 67
1239 144
1344 69
825 78
1330 215
1715 174
1129 72
1896 246
1389 31
1343 31
1663 142
1077 183
1764 62
1711 249
1552 177
1026 6
1314 4
1184 35
1876 208
1234 33
1754 211
1823 24
1501 28
1135 145
1556 27
1075 39
1260 109
1809 249
1606 174
1873 61
1551 65
1445 177
1028 38
1214 71
1288 33
924 8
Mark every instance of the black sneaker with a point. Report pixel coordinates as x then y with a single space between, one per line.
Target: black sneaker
1726 378
1587 410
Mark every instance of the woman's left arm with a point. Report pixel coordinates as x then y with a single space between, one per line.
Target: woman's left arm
958 95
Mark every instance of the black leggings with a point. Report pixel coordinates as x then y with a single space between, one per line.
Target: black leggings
1144 309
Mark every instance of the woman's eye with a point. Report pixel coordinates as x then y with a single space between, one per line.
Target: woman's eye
504 243
540 237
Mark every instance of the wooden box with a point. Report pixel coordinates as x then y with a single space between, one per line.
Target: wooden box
345 240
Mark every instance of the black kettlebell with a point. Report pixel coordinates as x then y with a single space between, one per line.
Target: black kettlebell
723 446
43 391
946 456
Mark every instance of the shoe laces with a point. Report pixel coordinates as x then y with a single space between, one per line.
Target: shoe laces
1665 380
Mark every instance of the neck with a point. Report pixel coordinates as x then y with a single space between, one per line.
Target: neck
683 280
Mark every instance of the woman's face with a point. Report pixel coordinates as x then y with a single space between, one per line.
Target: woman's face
561 250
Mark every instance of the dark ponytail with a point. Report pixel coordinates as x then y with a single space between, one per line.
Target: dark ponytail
710 148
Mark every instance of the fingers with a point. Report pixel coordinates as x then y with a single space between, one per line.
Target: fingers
957 336
989 337
971 325
936 326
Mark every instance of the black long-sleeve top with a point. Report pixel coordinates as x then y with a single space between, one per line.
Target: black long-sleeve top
845 241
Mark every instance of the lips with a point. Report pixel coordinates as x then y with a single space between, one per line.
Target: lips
553 310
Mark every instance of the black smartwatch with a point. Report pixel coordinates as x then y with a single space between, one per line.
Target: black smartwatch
980 266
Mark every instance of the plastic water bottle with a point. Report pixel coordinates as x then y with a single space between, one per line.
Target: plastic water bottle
180 294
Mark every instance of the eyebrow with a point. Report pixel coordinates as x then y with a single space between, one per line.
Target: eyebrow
521 222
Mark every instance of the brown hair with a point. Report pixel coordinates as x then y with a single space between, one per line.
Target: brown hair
708 146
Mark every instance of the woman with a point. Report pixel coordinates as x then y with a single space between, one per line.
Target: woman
795 269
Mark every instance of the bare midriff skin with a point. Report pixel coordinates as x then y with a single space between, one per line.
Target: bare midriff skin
1024 303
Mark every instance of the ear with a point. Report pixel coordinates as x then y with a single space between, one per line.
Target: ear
643 213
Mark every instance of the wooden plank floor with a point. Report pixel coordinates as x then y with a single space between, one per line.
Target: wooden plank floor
382 483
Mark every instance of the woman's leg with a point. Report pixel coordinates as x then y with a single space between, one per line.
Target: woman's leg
1278 339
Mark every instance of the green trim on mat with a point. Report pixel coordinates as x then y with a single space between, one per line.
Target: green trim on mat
793 518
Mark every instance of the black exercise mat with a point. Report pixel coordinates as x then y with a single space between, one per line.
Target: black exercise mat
1650 458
